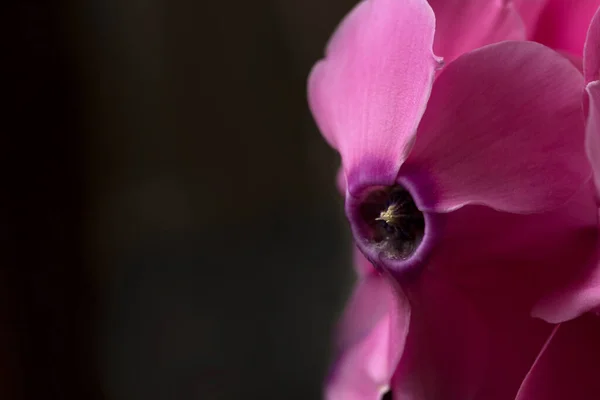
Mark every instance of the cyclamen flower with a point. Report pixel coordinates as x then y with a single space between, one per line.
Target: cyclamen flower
471 193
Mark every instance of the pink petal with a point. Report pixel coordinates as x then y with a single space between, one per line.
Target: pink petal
581 293
591 66
530 13
534 252
465 25
465 343
592 140
563 25
493 118
471 334
370 91
569 366
371 339
362 266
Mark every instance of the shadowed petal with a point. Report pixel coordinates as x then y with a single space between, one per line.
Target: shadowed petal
582 291
370 91
362 266
569 365
370 341
465 25
563 25
591 56
471 334
465 343
530 10
493 116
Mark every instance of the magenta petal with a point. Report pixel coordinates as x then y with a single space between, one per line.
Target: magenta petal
362 266
465 25
593 129
591 56
582 292
493 116
370 340
371 90
563 25
465 343
580 296
569 365
530 13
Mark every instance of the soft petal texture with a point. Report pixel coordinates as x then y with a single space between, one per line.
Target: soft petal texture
593 129
465 25
582 292
471 334
581 295
371 338
370 91
563 24
569 366
591 56
362 266
492 119
530 12
465 343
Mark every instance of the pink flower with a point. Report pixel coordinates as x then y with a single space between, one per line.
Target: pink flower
569 364
464 25
583 293
371 336
469 191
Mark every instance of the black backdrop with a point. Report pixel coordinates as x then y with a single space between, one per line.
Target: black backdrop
170 225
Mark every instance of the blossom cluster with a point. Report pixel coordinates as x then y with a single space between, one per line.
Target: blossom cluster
469 136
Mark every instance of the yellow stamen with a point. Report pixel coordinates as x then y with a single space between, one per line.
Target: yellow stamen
389 215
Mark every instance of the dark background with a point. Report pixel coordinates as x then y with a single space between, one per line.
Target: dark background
170 224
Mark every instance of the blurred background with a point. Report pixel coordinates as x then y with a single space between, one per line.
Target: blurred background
170 223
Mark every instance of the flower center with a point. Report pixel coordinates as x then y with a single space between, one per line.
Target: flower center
393 221
387 395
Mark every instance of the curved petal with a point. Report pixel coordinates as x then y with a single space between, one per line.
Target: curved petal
530 10
465 342
370 91
591 56
555 246
471 334
569 365
563 25
581 293
580 296
592 129
370 339
465 25
504 128
362 266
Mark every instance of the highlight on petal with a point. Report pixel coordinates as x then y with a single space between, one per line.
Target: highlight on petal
371 89
465 25
563 25
492 119
569 365
465 342
370 341
591 55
